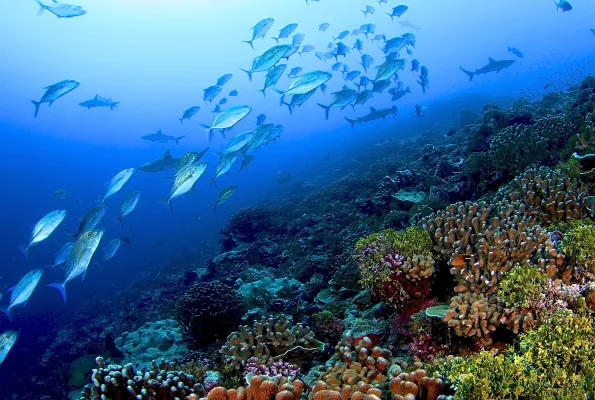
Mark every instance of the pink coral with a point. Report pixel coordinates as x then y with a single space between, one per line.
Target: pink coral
276 368
424 348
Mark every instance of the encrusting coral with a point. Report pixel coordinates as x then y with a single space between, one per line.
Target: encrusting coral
269 338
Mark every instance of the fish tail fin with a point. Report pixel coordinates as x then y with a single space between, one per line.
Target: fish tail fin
288 106
41 7
61 287
249 42
25 250
115 105
249 74
352 106
167 203
281 95
351 121
423 87
327 109
177 139
36 103
263 91
509 49
469 73
208 131
6 311
181 120
276 40
214 182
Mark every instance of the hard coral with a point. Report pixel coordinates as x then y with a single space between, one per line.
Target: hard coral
415 385
269 338
208 311
261 388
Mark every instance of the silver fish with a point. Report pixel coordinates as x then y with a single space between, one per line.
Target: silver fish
286 31
210 93
268 59
323 27
260 30
185 181
341 99
247 161
308 81
90 220
79 259
110 248
23 290
236 144
362 98
260 119
297 39
128 205
389 68
54 92
224 79
272 77
225 164
7 340
118 182
224 195
189 113
227 118
43 229
260 134
62 10
62 255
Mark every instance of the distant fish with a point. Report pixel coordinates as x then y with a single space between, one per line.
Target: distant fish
352 75
79 259
224 79
398 94
451 132
62 10
233 93
90 220
397 12
515 51
128 205
323 27
359 45
419 111
363 81
118 181
459 260
189 113
23 290
564 5
291 51
407 24
367 61
369 10
362 98
227 118
492 66
340 99
161 164
110 249
368 29
374 115
286 31
260 119
382 1
99 101
423 78
7 340
246 162
43 229
414 65
356 32
260 30
341 35
282 178
61 194
381 85
224 195
222 101
54 92
210 93
306 49
159 137
337 66
268 59
217 109
294 72
61 255
340 50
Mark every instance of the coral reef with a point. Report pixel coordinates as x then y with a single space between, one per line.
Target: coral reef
261 388
208 311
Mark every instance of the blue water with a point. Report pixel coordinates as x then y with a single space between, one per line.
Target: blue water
155 58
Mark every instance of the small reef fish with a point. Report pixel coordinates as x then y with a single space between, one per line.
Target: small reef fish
369 10
224 195
268 59
323 27
90 220
419 111
237 144
23 290
233 93
43 229
162 164
224 79
285 32
189 113
374 115
62 255
210 93
227 118
79 259
260 30
341 99
128 205
564 5
54 92
492 66
515 51
61 194
458 260
260 119
7 340
99 101
159 137
117 182
398 11
62 10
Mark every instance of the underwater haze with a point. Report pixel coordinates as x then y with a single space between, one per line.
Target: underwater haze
155 59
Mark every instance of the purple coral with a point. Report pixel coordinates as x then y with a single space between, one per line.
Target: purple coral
277 368
393 261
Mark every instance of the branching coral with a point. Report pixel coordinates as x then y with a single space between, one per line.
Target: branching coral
579 244
473 314
209 311
269 338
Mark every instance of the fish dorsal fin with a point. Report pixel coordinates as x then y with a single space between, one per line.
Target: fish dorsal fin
491 60
96 97
167 155
372 110
159 132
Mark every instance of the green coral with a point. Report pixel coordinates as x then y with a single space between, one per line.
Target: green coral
579 242
554 361
521 286
572 168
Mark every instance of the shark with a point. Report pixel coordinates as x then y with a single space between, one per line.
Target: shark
492 66
407 24
162 164
159 137
99 101
374 115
